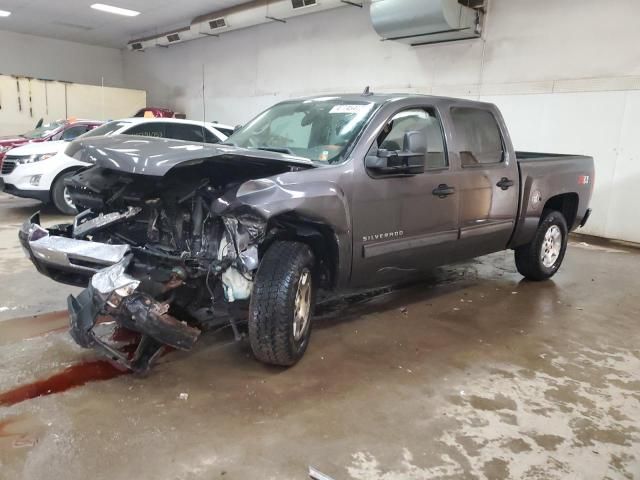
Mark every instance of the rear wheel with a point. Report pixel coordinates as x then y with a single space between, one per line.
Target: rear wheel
542 257
60 195
282 304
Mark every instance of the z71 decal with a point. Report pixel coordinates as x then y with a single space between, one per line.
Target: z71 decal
583 180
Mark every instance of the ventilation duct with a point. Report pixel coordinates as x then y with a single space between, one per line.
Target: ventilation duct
302 3
259 12
217 23
419 22
236 18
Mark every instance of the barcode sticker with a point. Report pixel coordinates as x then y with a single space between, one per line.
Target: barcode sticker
349 109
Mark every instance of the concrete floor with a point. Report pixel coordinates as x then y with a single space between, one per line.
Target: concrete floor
473 373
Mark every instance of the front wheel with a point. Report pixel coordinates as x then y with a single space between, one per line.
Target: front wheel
60 195
541 258
282 304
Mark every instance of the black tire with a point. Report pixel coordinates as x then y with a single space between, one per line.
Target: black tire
272 306
529 261
57 195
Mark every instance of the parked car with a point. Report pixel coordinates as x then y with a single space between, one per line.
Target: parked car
227 130
155 112
336 193
35 171
47 132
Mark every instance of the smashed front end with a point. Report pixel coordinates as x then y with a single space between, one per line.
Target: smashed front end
160 255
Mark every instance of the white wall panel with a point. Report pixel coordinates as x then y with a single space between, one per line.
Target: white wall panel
92 102
47 102
623 216
56 100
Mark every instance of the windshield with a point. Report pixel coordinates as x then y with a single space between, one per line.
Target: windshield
320 129
44 131
106 129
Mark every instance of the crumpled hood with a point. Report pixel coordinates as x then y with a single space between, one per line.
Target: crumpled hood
156 156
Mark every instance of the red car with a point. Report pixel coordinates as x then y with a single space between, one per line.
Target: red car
155 112
58 130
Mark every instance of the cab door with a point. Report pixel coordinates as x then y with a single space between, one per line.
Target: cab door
488 180
404 224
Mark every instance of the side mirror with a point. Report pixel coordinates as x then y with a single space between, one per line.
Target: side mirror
408 161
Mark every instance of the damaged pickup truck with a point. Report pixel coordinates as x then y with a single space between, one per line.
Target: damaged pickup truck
329 193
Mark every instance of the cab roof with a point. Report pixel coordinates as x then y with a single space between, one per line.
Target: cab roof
385 98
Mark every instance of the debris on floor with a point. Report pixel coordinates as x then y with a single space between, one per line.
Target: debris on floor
317 475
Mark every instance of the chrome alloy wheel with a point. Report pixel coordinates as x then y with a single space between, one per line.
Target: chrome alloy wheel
551 246
67 198
302 306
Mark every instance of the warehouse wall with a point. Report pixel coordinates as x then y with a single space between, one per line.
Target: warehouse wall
24 100
52 59
565 73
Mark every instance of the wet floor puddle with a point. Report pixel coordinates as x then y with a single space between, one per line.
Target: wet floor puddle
19 431
22 328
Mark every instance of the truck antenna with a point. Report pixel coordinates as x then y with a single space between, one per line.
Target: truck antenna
367 91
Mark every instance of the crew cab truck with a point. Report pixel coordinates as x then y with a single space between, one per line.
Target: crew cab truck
336 193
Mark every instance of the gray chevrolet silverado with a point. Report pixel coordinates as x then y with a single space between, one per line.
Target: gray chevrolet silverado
329 193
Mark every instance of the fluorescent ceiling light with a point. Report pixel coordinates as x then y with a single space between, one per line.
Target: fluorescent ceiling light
117 10
4 13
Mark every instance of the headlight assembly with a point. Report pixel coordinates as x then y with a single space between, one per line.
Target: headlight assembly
35 158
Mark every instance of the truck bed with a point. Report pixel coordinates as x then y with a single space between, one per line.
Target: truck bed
544 175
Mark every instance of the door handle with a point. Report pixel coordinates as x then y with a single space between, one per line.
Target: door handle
504 183
443 190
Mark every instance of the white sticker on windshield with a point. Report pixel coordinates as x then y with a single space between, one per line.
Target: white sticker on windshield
349 109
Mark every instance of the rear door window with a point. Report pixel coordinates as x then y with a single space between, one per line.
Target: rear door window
226 131
73 132
106 129
478 136
152 129
211 137
187 132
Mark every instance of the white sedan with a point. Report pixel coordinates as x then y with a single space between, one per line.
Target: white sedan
39 170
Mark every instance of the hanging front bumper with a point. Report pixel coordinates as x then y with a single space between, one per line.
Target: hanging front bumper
64 259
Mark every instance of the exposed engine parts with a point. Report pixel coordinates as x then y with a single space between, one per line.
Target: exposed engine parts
178 258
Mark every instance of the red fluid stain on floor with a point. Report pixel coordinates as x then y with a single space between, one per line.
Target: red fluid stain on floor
70 377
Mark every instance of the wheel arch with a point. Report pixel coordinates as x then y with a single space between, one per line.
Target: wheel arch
565 203
62 172
319 236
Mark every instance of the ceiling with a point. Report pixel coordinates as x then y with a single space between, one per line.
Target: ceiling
74 19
